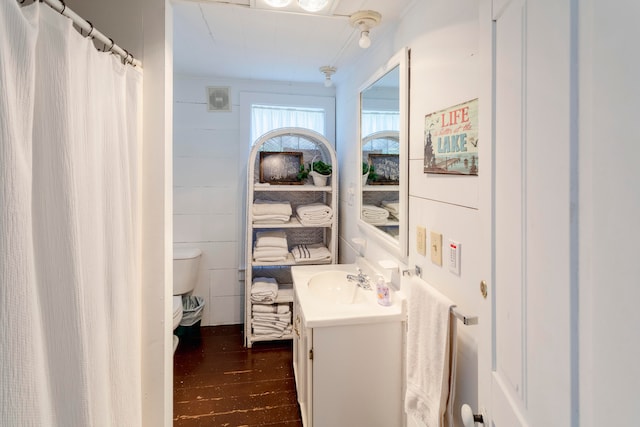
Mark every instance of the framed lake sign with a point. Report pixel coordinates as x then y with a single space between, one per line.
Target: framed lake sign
451 140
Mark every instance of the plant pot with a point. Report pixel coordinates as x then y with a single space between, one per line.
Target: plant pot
319 179
365 177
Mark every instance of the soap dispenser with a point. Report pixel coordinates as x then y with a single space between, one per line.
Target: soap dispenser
382 289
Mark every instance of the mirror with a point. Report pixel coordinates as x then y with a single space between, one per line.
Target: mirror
384 155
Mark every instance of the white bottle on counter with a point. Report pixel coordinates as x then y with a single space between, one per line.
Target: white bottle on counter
383 292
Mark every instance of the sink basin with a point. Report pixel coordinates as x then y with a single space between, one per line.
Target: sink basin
333 287
327 298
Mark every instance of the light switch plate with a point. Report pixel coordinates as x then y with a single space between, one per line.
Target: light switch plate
436 248
421 240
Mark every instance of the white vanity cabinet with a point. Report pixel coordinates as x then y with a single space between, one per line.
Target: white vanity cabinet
349 374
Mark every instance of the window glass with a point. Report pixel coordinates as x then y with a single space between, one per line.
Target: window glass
265 118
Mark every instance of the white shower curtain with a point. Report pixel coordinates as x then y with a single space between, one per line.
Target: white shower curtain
70 140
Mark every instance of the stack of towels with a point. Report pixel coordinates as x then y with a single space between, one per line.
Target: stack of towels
271 212
311 254
392 206
270 246
264 290
374 215
272 321
314 214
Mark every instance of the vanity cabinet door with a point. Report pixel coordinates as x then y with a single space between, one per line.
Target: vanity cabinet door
357 375
302 367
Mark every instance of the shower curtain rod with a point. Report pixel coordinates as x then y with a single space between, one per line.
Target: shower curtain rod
109 45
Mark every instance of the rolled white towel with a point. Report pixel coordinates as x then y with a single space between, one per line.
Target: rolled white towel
272 239
270 207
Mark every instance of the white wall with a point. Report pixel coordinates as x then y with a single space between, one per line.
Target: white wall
444 73
609 208
210 154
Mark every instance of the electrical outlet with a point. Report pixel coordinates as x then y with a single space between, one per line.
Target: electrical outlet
455 250
421 240
436 248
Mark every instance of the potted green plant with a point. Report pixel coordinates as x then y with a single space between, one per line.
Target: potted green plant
319 172
303 173
367 173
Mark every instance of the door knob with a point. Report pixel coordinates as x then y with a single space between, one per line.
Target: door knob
469 419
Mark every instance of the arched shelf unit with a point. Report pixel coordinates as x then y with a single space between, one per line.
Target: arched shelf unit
311 233
382 142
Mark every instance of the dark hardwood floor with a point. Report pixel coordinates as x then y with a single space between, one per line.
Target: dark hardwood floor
219 382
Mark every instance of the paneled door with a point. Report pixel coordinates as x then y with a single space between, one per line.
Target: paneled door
526 363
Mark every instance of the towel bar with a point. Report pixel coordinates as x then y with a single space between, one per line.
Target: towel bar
465 319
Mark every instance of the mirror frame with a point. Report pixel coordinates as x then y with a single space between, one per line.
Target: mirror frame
398 247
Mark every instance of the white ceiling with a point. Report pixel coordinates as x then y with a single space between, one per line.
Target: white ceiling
234 39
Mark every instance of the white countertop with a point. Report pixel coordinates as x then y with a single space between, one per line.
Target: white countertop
367 310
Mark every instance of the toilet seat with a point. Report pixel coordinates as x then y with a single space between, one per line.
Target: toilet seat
177 310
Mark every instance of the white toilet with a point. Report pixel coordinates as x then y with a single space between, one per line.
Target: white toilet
185 277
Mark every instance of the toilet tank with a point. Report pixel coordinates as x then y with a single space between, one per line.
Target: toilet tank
185 269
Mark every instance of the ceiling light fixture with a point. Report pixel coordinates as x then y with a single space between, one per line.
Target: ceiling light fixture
313 5
328 72
365 20
277 3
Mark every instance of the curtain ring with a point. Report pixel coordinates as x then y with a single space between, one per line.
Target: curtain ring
64 7
110 47
91 30
126 57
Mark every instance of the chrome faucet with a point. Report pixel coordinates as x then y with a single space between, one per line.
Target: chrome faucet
361 279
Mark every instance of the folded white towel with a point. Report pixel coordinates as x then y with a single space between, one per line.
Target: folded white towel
314 221
314 214
273 324
270 332
372 211
268 317
264 283
271 308
269 251
431 356
374 215
272 239
271 259
392 206
271 219
314 209
264 289
306 254
270 207
269 254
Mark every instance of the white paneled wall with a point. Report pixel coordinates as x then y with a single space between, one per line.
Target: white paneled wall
444 60
206 202
209 168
